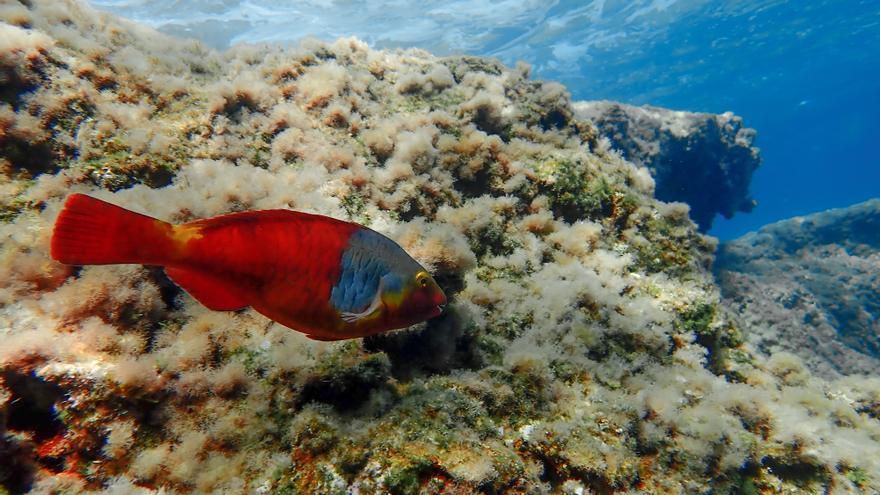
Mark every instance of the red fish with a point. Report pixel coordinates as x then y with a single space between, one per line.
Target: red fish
324 277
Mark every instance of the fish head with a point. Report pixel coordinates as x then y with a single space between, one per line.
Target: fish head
381 287
412 296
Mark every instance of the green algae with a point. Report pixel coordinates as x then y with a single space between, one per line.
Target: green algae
857 475
407 479
699 318
574 195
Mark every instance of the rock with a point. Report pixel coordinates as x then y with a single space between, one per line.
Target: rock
702 159
811 285
583 347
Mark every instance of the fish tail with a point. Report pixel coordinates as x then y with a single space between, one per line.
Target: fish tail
93 232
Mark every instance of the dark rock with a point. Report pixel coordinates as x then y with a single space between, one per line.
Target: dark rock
702 159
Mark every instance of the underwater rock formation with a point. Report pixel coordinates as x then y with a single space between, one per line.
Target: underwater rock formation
583 350
811 286
702 159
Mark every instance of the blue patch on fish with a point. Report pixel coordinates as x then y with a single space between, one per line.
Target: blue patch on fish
361 272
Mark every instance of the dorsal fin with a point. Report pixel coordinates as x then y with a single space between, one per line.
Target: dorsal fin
213 292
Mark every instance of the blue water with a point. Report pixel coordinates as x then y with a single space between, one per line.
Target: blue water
803 73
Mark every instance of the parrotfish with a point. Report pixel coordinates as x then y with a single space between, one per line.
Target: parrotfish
324 277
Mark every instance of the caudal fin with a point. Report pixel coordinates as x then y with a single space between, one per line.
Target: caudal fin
93 232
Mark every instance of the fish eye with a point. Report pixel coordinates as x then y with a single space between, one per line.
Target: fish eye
422 279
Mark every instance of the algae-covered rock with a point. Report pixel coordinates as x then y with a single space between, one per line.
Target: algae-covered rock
583 348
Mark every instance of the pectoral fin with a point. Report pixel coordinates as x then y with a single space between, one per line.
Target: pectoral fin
374 307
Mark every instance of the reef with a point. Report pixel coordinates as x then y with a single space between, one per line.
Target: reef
702 159
811 286
584 349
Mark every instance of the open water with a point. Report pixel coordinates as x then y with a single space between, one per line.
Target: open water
803 73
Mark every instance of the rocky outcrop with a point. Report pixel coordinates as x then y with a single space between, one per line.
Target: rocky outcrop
702 159
811 285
